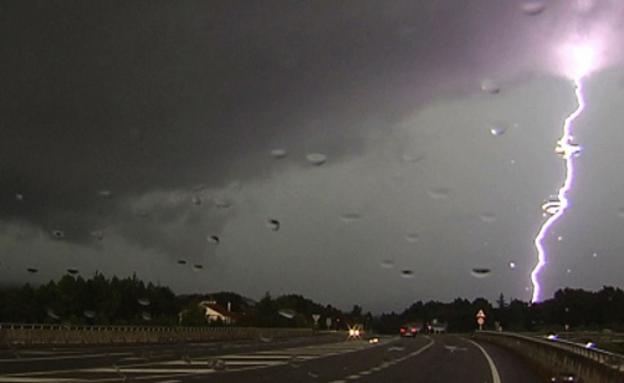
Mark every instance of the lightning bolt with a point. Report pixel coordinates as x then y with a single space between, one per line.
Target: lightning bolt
554 209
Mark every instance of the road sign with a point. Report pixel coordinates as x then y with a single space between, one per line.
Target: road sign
328 322
316 318
480 319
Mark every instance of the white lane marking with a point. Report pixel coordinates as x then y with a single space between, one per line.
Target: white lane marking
367 372
338 381
170 381
353 377
59 357
150 370
15 379
495 376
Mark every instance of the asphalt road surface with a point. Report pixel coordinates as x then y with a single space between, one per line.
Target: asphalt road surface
329 359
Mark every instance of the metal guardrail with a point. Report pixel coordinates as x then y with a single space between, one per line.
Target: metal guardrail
129 328
604 357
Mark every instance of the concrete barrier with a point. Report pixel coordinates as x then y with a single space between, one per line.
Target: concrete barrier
37 334
554 356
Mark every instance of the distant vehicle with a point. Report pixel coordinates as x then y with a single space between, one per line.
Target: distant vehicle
356 332
373 340
566 377
410 330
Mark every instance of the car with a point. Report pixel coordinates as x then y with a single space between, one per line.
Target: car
410 330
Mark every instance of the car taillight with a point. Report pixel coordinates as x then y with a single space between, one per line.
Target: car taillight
413 329
402 329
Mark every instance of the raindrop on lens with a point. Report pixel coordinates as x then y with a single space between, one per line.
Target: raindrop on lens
407 274
19 197
221 203
143 301
480 272
58 234
105 193
197 267
439 193
52 314
287 313
560 238
278 153
497 129
412 237
196 200
490 86
488 217
350 217
316 159
273 224
89 314
594 255
387 264
32 270
146 316
72 271
214 239
532 8
97 234
512 265
181 262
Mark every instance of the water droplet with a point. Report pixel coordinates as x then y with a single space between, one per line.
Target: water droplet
89 314
105 193
594 255
265 339
412 158
551 207
19 197
560 238
214 239
273 224
317 159
532 8
97 234
198 267
488 217
512 265
72 271
52 314
387 264
412 237
490 86
407 274
221 203
58 234
569 271
181 262
497 129
32 270
146 316
196 200
287 313
481 272
350 217
439 193
279 153
143 301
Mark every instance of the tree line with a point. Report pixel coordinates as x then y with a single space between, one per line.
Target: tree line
129 301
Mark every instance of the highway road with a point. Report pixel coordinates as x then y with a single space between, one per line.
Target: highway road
328 359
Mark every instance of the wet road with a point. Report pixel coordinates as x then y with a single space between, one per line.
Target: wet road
331 359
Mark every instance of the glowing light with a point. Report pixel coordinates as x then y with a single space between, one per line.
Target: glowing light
567 150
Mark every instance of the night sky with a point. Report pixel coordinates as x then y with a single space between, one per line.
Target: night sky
370 152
